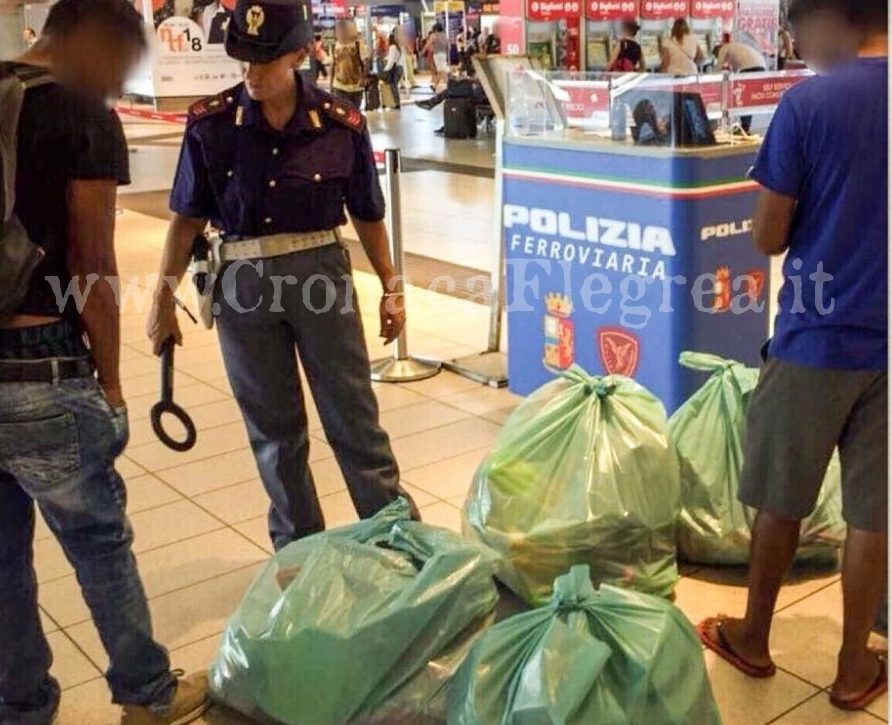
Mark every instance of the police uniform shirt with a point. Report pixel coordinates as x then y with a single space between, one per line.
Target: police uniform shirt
251 180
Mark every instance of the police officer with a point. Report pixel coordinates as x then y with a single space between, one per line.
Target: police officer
272 163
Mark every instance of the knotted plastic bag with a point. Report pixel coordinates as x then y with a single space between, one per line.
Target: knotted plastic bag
611 657
583 472
709 433
338 623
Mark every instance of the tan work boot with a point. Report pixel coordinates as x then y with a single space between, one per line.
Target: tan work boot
189 703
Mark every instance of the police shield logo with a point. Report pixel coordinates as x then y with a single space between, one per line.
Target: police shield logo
754 282
620 351
255 18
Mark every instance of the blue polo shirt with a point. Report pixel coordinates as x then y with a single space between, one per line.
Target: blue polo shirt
827 148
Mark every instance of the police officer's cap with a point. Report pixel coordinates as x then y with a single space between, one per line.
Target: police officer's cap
261 32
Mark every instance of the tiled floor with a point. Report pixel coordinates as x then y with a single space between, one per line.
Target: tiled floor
201 533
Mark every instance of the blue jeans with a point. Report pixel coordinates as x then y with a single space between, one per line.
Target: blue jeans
58 444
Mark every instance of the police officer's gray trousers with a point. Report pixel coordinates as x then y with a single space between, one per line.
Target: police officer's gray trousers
303 302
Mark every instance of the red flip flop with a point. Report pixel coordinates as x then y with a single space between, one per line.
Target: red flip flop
724 650
878 688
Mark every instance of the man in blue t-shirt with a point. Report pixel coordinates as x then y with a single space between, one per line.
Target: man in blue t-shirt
823 168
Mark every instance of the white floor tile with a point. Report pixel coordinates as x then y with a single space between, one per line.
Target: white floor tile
449 478
70 666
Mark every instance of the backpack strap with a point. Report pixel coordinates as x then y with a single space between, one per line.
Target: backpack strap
15 80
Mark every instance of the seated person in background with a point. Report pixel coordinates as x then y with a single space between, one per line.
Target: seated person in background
468 87
627 55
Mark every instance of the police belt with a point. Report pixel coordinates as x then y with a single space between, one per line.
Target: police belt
276 245
212 252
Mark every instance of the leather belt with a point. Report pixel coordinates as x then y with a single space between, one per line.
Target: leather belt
50 370
276 245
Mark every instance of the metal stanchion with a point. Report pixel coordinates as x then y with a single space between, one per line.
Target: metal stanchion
401 368
490 367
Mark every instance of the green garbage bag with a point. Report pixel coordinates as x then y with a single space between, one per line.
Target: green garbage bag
609 657
582 473
337 623
708 432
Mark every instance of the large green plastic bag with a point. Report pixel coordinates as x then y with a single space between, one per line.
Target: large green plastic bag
339 622
583 472
709 433
609 657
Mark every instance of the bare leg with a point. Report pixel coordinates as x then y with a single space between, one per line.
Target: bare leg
863 581
771 556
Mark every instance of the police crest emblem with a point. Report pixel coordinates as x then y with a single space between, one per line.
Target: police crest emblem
255 18
620 351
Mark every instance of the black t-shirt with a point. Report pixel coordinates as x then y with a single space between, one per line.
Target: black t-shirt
62 137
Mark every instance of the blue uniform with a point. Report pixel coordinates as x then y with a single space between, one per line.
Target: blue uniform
251 180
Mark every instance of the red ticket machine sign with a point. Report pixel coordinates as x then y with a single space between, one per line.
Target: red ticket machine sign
664 9
548 10
605 10
710 9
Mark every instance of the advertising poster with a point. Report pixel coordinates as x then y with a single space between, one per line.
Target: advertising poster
188 57
452 16
758 23
512 27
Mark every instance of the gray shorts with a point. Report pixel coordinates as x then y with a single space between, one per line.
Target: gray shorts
797 416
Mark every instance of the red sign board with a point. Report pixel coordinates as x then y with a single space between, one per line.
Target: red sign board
710 9
766 91
585 99
612 9
664 9
546 10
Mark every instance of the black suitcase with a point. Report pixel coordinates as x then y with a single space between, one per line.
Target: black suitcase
372 97
459 118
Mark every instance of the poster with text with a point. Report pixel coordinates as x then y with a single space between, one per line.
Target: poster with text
758 23
188 56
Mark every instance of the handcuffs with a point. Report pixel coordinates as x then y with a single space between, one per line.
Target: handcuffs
166 404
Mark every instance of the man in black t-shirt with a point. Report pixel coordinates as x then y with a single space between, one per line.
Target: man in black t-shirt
63 420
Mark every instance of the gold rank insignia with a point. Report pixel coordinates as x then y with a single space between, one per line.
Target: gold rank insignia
255 17
315 121
240 116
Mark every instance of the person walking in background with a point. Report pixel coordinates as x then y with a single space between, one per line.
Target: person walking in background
63 418
681 53
407 45
320 58
350 68
627 55
438 47
823 168
393 71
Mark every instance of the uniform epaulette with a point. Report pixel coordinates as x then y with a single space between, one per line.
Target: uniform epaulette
344 114
211 106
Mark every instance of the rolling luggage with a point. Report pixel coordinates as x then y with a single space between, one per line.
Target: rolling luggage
372 97
459 118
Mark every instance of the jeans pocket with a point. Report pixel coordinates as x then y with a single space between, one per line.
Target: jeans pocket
41 452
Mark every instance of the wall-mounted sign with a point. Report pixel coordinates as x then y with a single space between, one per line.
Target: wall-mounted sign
603 10
547 10
664 9
709 9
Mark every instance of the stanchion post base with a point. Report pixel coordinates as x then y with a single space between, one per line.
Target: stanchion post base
409 370
489 368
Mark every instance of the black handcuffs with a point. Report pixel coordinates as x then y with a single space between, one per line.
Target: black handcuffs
168 406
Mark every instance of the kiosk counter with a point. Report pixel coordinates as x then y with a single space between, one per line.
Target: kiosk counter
629 245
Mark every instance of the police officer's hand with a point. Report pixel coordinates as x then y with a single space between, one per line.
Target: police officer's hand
393 317
162 323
